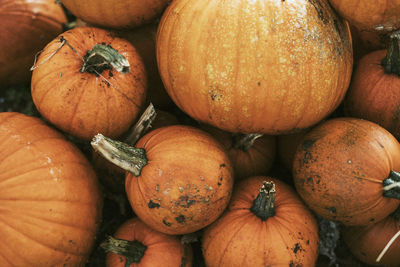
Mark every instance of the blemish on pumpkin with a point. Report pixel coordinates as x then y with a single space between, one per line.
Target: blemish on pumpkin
180 218
218 183
296 248
166 223
222 165
307 144
153 205
331 210
320 12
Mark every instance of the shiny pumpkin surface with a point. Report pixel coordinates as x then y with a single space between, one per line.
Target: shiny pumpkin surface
339 167
81 103
186 183
162 249
27 26
371 15
254 66
240 238
50 199
115 13
374 95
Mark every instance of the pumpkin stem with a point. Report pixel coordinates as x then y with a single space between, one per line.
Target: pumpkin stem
244 141
391 63
385 249
127 157
264 204
142 125
104 57
391 185
133 251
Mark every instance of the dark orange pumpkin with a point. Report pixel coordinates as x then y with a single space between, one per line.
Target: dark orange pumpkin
374 91
88 81
270 226
368 243
254 66
115 13
343 169
27 26
136 244
51 203
179 178
250 154
371 15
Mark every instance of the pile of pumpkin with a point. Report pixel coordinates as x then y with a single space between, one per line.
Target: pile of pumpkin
187 109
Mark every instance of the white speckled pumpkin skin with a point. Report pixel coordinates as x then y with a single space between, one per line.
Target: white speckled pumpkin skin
254 65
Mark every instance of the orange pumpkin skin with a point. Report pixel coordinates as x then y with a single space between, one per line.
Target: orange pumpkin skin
116 14
339 168
373 95
382 15
366 243
264 67
27 26
162 249
51 202
81 103
186 183
239 237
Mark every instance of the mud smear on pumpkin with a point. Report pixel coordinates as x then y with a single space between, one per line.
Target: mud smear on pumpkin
319 9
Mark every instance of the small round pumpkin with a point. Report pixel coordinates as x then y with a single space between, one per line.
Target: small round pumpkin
136 244
266 224
27 26
88 81
179 179
344 170
115 13
368 243
51 202
374 91
269 67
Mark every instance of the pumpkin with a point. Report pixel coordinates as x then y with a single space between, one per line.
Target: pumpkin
250 154
266 224
373 15
368 243
88 81
27 26
373 94
116 14
51 202
269 67
134 243
179 179
345 168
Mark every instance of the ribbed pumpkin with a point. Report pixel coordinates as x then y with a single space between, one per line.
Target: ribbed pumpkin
136 244
88 81
115 13
371 15
374 91
368 243
50 199
266 224
179 178
27 26
254 66
344 170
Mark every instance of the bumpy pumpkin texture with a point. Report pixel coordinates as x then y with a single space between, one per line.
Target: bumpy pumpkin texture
51 203
254 66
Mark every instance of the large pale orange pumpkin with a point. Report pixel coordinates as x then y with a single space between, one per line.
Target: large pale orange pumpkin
87 81
254 66
50 199
179 178
27 26
345 168
116 13
266 224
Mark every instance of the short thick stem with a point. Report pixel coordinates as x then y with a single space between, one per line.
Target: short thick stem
391 185
391 63
264 204
133 251
127 157
104 57
244 141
